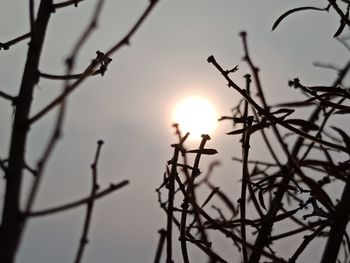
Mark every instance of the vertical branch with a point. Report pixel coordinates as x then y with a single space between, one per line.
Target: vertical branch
31 15
11 220
338 227
266 228
188 196
247 123
171 191
162 236
170 211
56 134
89 206
254 70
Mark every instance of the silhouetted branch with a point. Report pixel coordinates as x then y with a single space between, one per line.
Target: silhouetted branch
227 233
11 226
298 9
7 96
189 195
66 3
326 66
338 225
75 204
92 25
34 172
270 116
162 237
171 189
298 230
89 205
247 124
12 42
31 15
66 77
344 17
307 240
90 69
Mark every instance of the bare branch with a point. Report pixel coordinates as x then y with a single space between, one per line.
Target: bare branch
89 205
12 42
90 69
7 96
162 236
75 204
11 225
271 116
66 77
92 25
66 3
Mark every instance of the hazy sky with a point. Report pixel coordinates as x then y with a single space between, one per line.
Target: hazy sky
130 107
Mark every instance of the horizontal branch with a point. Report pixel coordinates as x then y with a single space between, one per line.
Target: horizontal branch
61 208
66 3
66 77
6 45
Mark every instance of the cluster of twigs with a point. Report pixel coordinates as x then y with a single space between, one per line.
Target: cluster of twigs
307 159
15 217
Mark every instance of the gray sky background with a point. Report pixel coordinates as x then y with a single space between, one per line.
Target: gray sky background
130 107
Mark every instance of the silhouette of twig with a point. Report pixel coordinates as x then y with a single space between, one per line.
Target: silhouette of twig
8 44
89 206
94 64
75 204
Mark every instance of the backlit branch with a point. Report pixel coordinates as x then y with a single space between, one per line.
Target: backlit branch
89 205
8 44
75 204
91 68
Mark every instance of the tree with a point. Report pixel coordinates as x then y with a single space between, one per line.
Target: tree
14 216
309 156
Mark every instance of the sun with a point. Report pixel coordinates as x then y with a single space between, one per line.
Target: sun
195 115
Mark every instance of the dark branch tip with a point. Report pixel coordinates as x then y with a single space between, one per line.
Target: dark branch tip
243 34
211 59
205 137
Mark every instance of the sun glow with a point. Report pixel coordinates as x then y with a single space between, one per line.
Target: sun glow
195 115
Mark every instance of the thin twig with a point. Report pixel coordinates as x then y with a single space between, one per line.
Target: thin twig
75 204
162 237
227 233
189 195
8 44
66 3
171 189
90 69
7 96
66 77
88 31
247 123
271 116
89 205
307 240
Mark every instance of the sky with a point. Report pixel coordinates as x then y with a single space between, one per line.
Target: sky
130 107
